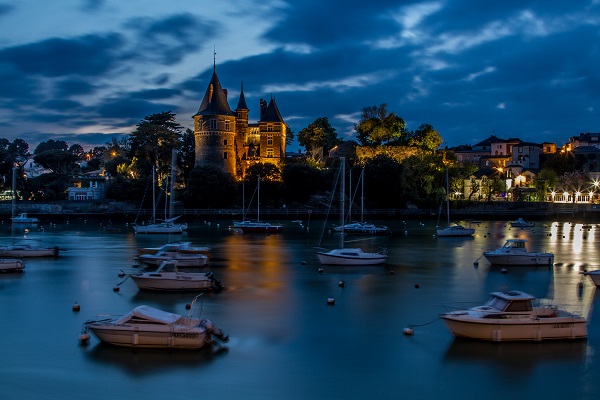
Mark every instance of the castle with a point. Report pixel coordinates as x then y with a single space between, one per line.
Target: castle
225 139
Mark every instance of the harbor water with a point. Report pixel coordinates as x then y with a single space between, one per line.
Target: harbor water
286 340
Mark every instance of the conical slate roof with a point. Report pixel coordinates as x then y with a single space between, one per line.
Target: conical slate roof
271 114
242 101
215 100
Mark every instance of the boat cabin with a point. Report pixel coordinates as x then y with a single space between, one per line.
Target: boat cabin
511 301
515 244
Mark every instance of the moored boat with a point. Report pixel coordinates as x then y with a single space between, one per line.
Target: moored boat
521 223
512 316
594 276
24 219
149 327
351 256
172 252
455 230
11 265
28 248
182 247
168 278
358 228
514 252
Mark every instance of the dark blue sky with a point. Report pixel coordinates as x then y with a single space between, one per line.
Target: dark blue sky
85 71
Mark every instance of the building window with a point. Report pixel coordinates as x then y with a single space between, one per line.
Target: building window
212 124
225 142
269 153
269 128
270 139
225 156
227 127
520 149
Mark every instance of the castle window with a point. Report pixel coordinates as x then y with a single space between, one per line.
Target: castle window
227 127
269 128
270 139
212 124
225 142
269 153
225 156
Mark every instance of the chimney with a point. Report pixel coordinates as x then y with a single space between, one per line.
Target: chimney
263 107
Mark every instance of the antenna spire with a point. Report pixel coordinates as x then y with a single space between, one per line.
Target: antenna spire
214 59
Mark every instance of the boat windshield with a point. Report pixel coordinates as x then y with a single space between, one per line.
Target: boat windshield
514 245
497 303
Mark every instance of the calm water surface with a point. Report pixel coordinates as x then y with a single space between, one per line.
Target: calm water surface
286 342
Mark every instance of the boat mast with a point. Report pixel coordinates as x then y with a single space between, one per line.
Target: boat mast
258 200
447 197
14 190
172 186
362 195
153 194
342 195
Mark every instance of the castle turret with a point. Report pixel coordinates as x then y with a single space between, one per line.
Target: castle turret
273 133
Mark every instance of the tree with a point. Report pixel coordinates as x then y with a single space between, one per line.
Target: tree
300 182
268 173
318 135
60 162
378 126
151 143
77 150
51 144
186 159
426 138
209 187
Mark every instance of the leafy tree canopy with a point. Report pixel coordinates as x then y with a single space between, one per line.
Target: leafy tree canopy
378 127
51 144
319 135
60 162
426 138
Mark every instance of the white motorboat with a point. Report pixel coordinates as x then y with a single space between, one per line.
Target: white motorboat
11 265
28 248
521 223
148 327
514 252
257 226
24 219
455 230
512 316
594 276
182 247
350 256
172 252
167 277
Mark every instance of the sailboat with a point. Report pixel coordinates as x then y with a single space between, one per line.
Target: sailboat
362 227
250 226
348 256
168 225
454 230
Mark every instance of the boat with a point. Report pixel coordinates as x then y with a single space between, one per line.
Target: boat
167 277
512 316
11 265
173 252
28 248
24 219
455 230
183 247
149 327
452 230
167 225
362 227
514 252
256 226
521 223
349 256
593 275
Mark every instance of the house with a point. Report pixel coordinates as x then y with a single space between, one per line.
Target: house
92 186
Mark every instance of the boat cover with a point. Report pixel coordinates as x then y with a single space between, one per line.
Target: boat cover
150 314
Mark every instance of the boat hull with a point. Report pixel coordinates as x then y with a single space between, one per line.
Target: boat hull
25 253
178 228
526 329
183 260
594 276
519 259
260 228
173 282
165 337
11 265
450 232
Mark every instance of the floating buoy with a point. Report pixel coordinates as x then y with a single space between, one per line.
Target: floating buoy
303 263
504 270
331 301
121 274
417 286
408 331
476 262
84 337
116 289
76 307
320 270
342 284
188 306
392 272
580 285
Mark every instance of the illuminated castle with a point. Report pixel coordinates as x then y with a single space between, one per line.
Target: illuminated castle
225 139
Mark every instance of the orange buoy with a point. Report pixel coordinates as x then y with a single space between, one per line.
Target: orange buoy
331 301
76 307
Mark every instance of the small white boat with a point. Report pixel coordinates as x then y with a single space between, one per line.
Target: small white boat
512 316
249 226
11 265
514 252
24 219
166 226
594 276
350 256
149 327
521 223
172 252
167 277
455 230
28 248
362 228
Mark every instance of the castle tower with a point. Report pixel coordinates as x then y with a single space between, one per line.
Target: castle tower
273 133
215 129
